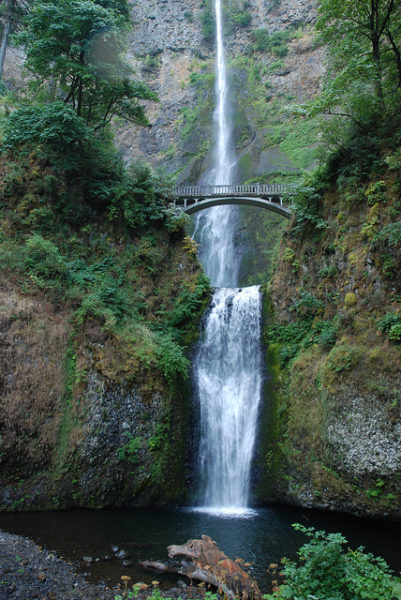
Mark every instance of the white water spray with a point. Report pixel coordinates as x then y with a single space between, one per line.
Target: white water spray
228 365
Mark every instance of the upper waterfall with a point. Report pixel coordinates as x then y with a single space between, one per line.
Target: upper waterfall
215 228
223 159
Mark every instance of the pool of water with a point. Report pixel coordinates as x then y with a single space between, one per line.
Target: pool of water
260 536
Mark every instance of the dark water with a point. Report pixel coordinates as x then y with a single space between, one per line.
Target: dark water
261 538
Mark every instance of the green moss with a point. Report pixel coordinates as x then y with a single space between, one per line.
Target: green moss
350 299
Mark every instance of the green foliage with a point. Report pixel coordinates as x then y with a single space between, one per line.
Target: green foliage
308 203
377 491
391 325
390 233
54 125
130 450
342 358
78 45
325 334
307 305
238 15
272 5
330 271
43 262
327 571
170 358
276 43
145 194
395 333
376 192
208 24
307 330
159 438
289 257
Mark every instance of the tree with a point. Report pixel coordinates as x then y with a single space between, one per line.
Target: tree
364 41
77 45
11 9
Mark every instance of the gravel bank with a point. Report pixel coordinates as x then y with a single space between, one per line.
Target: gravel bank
30 572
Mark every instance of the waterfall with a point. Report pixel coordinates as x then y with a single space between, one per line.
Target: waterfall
215 228
227 366
228 372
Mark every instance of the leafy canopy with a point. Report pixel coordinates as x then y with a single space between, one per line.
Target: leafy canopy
363 80
74 49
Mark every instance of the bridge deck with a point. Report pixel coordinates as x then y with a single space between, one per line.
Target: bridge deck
259 190
198 197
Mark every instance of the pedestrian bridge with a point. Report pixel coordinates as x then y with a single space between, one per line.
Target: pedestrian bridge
269 196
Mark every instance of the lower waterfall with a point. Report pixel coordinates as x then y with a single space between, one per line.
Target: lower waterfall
228 379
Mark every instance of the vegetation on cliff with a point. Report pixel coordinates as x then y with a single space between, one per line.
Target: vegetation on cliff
334 327
92 255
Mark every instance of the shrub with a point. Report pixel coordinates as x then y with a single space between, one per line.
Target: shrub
307 305
144 196
308 204
170 358
43 259
276 42
395 332
130 450
376 192
326 334
327 571
343 358
391 325
390 233
208 25
54 125
240 18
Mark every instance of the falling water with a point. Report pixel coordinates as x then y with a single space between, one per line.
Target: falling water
227 366
215 228
228 371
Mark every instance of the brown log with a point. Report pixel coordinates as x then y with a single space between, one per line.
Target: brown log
152 565
211 565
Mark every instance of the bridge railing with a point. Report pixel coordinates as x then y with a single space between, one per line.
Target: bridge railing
257 189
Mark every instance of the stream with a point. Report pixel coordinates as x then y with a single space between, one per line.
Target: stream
261 537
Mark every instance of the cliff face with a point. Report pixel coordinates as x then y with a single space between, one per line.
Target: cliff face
88 416
332 328
98 311
173 51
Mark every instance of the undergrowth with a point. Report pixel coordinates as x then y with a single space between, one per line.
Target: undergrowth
329 570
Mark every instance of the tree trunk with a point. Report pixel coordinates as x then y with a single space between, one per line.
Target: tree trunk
4 35
378 68
397 53
80 85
